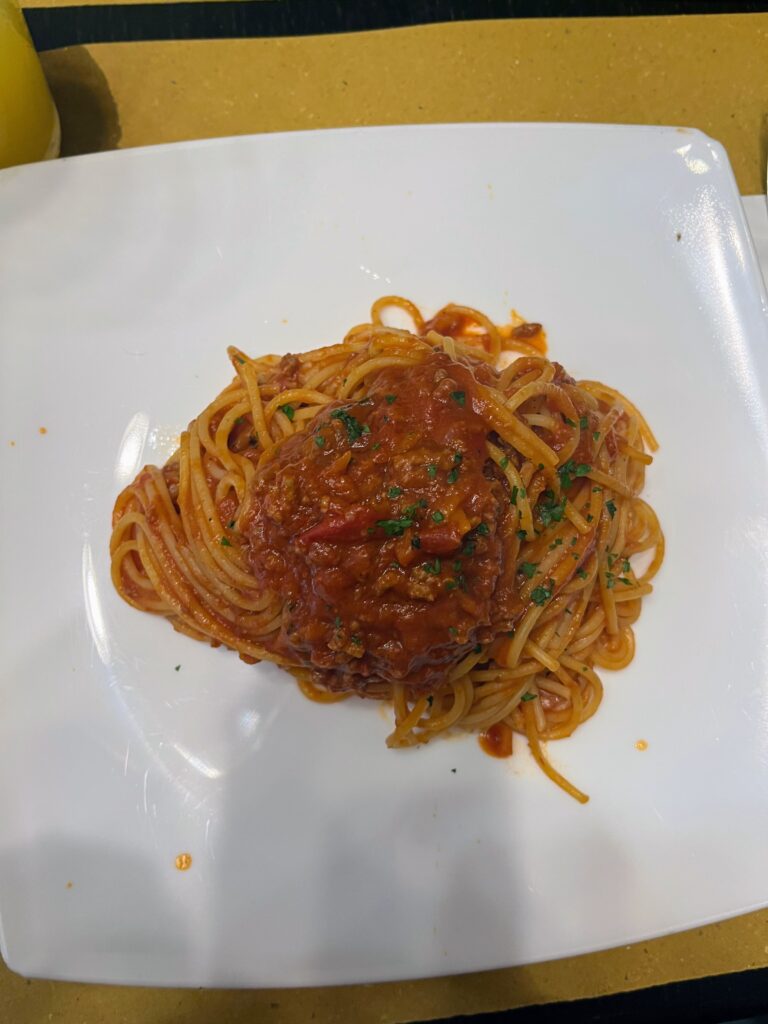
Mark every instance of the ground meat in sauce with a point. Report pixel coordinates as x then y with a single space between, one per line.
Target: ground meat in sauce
382 525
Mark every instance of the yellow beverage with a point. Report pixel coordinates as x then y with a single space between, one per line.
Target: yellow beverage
29 124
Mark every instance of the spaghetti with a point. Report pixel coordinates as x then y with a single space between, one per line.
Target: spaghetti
439 518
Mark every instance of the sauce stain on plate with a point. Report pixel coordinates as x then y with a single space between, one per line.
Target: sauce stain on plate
641 745
183 862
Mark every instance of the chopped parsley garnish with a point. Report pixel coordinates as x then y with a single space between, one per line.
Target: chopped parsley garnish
590 517
623 579
457 459
457 566
551 511
570 471
453 475
451 584
453 631
355 639
394 492
482 529
432 568
410 510
611 559
422 502
528 696
582 573
225 542
239 420
504 462
513 495
522 535
319 440
596 436
609 581
574 540
528 569
375 446
556 543
597 490
432 470
416 542
610 505
583 422
459 397
540 595
569 422
177 668
289 411
438 517
395 527
389 399
337 622
625 566
354 427
240 360
469 547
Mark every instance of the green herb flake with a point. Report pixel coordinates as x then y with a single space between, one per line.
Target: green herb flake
453 475
528 696
611 506
482 529
337 622
432 470
522 535
556 543
239 420
289 411
574 541
590 517
570 471
540 595
177 668
451 584
457 458
596 436
551 511
416 542
567 421
225 542
375 446
453 631
469 548
389 399
459 397
319 440
432 568
597 489
240 360
528 569
394 527
625 566
438 517
513 495
582 573
625 581
504 462
394 492
583 422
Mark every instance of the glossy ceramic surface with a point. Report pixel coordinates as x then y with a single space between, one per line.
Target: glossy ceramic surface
317 855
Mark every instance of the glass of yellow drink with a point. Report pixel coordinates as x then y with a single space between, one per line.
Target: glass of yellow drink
29 124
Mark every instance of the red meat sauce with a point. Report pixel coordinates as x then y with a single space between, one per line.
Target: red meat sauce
386 528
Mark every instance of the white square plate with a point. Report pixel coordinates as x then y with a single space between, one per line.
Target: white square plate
318 856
